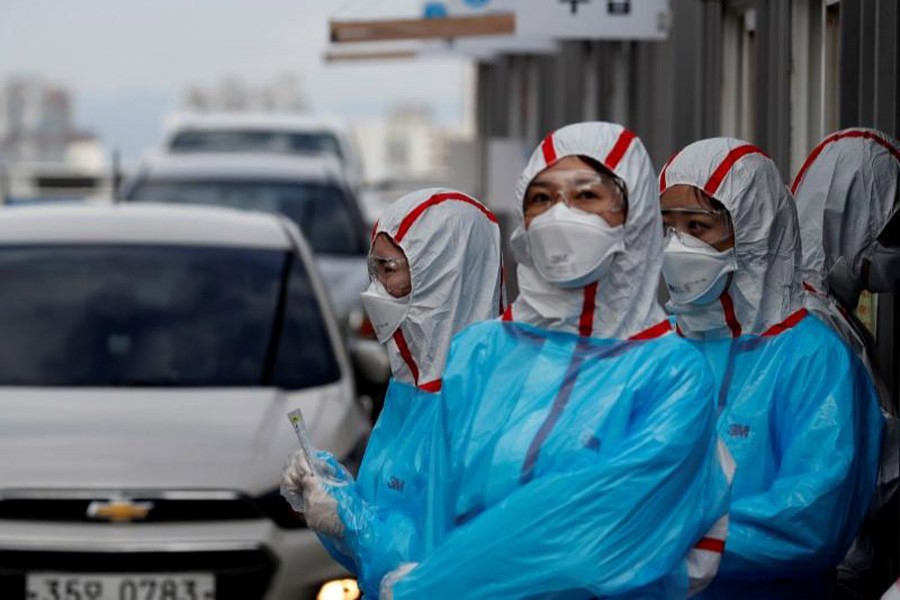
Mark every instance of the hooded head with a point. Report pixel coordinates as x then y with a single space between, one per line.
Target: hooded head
621 301
846 192
452 247
764 288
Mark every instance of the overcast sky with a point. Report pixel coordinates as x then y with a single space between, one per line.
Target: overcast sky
127 62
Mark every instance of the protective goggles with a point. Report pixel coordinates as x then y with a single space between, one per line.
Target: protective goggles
392 272
710 226
586 190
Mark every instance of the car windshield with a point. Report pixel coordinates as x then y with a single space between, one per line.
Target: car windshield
129 315
254 140
323 212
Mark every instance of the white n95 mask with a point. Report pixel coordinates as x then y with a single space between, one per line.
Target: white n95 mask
385 312
695 272
571 248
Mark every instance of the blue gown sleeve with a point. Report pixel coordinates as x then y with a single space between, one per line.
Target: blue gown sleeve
829 436
609 526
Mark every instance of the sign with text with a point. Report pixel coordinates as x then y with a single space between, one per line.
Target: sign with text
575 19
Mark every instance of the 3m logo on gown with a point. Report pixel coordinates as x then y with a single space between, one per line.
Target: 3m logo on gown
396 484
738 430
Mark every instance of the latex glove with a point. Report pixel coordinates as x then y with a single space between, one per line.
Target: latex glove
391 579
306 492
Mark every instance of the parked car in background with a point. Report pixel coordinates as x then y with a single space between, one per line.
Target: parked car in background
149 358
312 192
261 133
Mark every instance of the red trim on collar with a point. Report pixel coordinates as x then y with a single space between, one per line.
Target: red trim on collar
662 176
431 386
618 150
586 321
548 150
658 330
854 133
792 320
730 316
721 171
507 314
415 213
406 355
711 544
809 288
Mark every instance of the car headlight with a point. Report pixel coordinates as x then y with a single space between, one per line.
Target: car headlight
339 589
274 506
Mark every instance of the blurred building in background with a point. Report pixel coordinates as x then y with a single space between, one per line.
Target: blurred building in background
284 94
406 143
36 123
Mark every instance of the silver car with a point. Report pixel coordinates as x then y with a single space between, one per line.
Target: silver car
149 357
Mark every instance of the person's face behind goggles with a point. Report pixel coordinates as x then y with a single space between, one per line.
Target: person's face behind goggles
698 252
574 223
575 183
387 299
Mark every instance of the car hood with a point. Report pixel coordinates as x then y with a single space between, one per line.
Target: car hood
222 439
345 278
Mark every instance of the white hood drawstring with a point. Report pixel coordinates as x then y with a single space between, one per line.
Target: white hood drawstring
764 290
452 246
623 302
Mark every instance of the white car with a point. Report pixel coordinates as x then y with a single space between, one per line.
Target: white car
149 357
261 133
312 192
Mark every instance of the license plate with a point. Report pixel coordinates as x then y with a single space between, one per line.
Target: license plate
124 586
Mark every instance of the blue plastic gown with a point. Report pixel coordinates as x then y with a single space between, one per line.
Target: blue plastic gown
795 508
568 467
383 511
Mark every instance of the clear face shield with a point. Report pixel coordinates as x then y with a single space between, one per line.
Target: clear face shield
584 189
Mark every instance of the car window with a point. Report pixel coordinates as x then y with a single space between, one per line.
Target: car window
324 213
127 315
250 140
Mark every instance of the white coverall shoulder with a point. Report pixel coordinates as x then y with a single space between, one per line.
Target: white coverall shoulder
765 290
624 301
452 245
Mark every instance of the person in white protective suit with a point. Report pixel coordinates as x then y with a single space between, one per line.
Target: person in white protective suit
435 268
575 453
847 200
796 407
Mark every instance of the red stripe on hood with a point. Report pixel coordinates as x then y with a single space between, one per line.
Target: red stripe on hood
406 355
548 150
658 330
619 149
722 170
792 320
856 133
662 176
415 213
711 544
730 316
586 321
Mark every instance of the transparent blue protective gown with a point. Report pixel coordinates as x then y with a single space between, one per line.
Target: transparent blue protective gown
568 467
800 416
383 511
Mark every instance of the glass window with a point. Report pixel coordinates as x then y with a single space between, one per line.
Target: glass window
275 142
159 316
323 212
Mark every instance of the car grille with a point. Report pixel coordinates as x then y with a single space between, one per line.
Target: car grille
163 509
240 574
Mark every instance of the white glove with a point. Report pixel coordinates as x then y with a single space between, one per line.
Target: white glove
390 580
304 490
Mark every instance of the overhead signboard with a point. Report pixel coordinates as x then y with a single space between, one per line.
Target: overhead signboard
572 19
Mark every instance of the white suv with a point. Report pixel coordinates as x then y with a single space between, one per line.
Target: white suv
148 360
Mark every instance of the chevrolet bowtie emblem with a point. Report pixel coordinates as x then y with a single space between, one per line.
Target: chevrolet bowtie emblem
119 511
